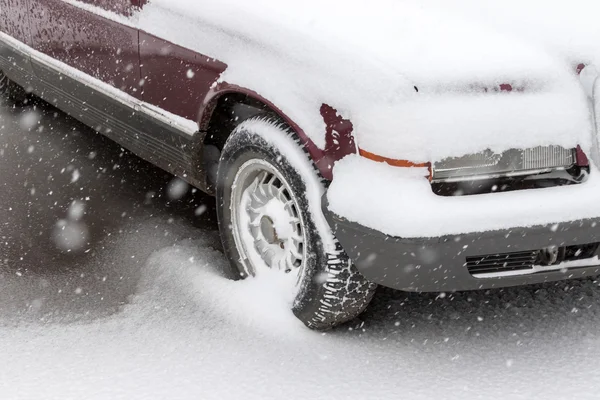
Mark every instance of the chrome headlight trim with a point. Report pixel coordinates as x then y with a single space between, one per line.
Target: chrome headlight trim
511 163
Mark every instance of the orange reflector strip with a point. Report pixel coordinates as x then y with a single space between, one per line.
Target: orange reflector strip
396 163
391 161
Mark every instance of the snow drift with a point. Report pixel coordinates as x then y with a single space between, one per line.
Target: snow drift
188 333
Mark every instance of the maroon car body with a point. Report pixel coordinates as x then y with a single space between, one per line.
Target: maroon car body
138 63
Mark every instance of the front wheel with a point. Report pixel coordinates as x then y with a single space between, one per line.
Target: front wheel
268 196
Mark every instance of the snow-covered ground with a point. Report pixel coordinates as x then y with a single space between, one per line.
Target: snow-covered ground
146 314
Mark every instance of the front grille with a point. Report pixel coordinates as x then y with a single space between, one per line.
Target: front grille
501 262
526 260
489 172
547 157
513 162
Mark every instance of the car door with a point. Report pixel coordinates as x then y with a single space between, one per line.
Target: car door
100 44
5 16
17 21
14 22
87 64
82 35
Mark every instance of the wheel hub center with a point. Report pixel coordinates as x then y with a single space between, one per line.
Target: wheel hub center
275 222
267 228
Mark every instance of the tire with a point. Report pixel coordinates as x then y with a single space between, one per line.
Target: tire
11 91
329 289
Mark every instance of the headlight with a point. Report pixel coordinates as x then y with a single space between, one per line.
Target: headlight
514 162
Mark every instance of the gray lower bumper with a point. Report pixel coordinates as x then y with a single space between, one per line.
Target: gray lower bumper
438 264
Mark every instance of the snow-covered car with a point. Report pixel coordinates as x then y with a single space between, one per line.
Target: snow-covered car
397 143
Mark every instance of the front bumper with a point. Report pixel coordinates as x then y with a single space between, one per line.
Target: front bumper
439 264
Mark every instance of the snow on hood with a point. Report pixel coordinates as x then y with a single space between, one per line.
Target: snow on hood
369 59
567 29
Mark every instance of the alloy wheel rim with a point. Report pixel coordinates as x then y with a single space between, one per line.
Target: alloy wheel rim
267 226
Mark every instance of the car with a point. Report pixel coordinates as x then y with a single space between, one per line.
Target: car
342 156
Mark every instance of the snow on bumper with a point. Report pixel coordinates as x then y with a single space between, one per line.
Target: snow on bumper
399 234
399 202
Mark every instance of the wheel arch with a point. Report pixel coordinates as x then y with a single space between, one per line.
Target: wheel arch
226 106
